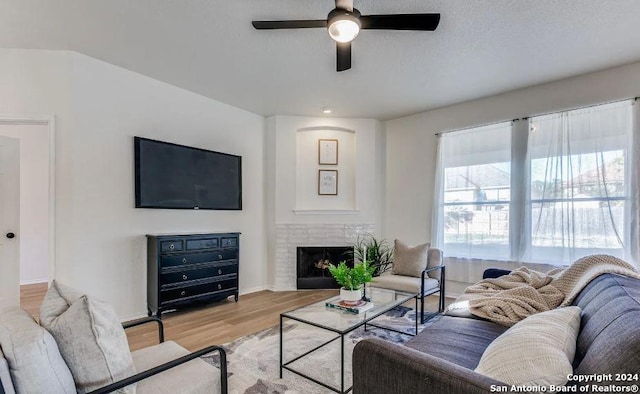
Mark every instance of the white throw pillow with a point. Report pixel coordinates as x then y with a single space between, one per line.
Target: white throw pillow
33 358
409 261
90 337
537 351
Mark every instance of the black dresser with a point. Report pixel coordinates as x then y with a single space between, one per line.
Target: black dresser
183 269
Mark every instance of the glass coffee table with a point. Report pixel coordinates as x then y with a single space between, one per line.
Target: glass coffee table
341 323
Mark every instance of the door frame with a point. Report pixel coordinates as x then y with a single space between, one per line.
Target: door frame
50 122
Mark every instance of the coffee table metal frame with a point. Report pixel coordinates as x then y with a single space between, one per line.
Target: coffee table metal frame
399 299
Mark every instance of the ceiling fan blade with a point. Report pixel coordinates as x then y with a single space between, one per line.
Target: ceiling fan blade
343 56
294 24
426 22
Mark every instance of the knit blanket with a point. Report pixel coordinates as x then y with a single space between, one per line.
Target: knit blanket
508 299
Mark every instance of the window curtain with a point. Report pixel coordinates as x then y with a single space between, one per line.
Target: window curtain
580 185
471 197
548 190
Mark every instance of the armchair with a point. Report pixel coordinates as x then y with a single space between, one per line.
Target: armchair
30 362
428 280
179 376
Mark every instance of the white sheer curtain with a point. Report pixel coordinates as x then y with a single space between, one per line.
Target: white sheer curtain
578 185
547 190
472 192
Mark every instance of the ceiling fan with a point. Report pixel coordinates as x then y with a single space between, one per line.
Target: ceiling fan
345 22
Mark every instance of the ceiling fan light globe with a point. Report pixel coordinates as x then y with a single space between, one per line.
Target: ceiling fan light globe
344 30
343 25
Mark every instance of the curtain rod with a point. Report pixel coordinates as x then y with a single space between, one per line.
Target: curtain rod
531 116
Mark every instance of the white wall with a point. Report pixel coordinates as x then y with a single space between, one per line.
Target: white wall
411 143
360 151
34 200
100 244
307 167
283 131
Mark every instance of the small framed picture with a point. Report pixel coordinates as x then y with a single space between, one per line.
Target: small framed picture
328 152
328 182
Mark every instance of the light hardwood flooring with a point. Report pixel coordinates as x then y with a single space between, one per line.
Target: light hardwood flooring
215 324
210 325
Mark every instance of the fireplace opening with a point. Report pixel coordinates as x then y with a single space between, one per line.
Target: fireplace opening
313 265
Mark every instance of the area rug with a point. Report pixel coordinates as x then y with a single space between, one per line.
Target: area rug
253 361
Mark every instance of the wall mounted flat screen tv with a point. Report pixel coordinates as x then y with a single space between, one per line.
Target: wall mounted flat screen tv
174 176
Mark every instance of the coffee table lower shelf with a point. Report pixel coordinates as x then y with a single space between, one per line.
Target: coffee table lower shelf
341 333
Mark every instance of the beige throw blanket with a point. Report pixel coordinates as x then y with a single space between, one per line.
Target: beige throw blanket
524 292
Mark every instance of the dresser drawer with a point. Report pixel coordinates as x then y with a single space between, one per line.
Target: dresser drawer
197 290
196 258
171 246
205 243
194 274
228 242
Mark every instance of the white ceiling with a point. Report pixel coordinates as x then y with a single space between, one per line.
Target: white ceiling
482 47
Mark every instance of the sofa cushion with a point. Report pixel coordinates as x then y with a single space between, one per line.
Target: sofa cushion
31 355
199 376
408 260
609 340
458 340
536 351
90 337
407 284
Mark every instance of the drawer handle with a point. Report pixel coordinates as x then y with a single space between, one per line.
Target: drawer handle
219 286
172 246
184 277
220 256
182 293
219 272
184 260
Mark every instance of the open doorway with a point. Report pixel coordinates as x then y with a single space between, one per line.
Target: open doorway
33 236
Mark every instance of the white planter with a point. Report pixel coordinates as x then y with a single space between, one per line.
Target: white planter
350 296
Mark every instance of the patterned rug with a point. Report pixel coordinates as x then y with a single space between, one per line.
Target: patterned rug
253 361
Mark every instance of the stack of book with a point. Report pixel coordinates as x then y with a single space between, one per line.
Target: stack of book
359 307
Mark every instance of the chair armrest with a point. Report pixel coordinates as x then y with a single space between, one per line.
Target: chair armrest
381 367
145 320
436 268
171 364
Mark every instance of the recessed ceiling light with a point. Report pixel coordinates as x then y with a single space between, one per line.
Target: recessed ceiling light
326 110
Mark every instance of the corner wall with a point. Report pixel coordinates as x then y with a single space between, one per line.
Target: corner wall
411 146
320 220
99 108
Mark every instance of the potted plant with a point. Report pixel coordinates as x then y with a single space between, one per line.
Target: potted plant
377 253
351 280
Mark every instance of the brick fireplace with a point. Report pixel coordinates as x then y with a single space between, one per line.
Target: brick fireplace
290 236
312 265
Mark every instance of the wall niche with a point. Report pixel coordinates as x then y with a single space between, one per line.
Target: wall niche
308 170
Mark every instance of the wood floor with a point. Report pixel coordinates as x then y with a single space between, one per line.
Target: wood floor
212 325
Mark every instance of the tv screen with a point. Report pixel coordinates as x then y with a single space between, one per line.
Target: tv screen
181 177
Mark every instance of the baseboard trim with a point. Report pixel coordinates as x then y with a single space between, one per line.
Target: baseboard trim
34 282
254 289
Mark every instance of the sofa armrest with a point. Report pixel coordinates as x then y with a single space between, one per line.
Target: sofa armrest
171 364
491 273
381 367
145 320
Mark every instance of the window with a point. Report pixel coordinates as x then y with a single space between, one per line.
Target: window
578 183
476 191
549 189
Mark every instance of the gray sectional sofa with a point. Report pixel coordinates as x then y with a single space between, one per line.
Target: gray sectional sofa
442 358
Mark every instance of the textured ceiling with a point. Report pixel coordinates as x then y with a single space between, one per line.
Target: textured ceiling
481 48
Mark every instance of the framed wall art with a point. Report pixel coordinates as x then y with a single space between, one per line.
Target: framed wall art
327 152
328 182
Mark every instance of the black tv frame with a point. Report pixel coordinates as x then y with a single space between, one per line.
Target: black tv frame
136 150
